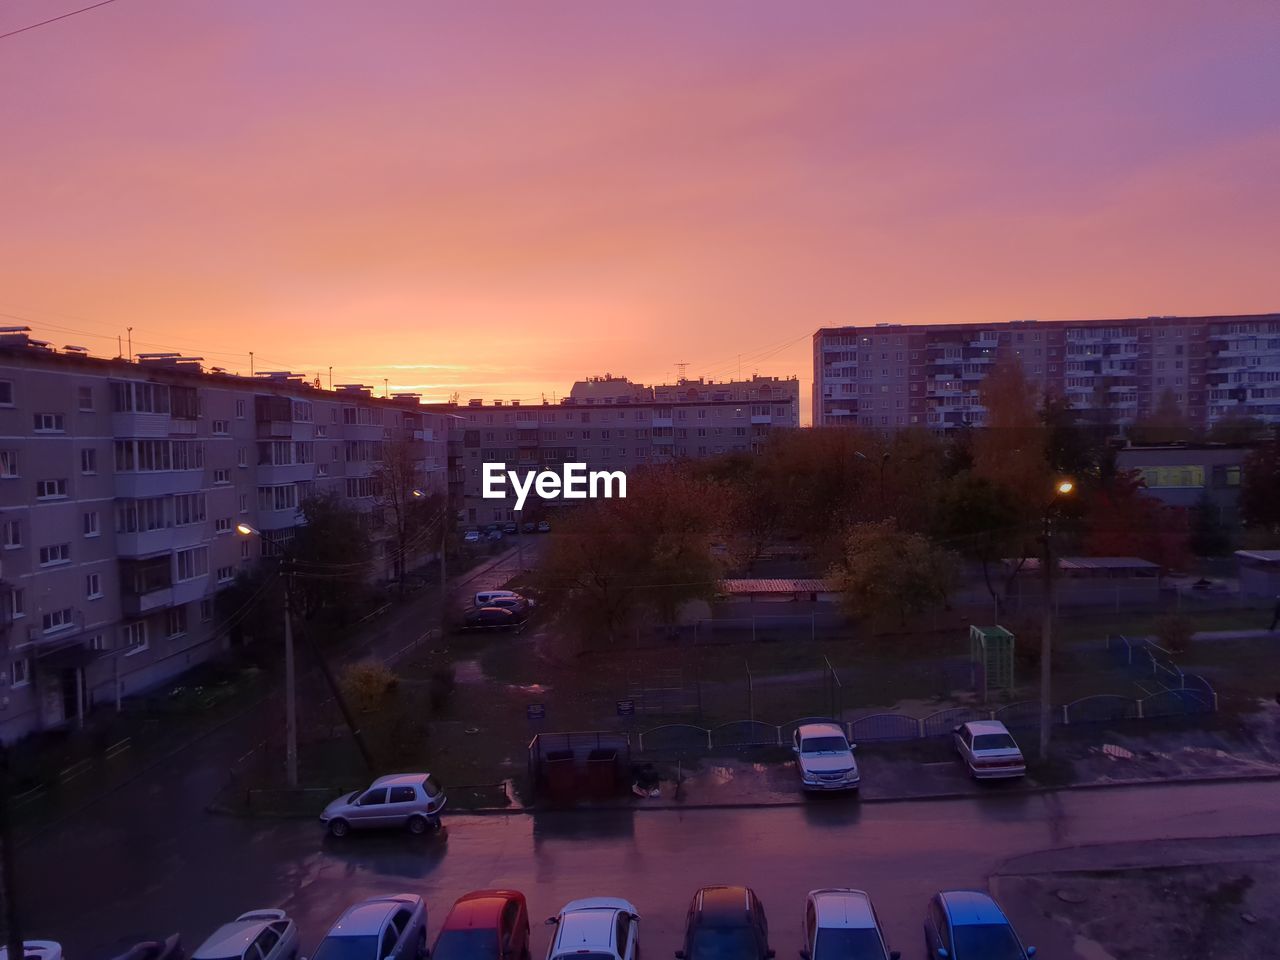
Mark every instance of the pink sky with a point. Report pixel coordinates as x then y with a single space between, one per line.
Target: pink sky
498 199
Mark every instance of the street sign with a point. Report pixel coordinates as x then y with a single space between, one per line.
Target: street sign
536 711
626 708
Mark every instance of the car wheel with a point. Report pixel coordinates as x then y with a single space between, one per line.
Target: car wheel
339 827
417 825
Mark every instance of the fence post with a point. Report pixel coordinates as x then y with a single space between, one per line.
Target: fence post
1139 703
709 747
1066 718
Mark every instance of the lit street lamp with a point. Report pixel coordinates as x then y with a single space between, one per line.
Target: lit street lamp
1062 488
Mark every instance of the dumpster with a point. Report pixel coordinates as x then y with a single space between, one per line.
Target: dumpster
602 774
562 776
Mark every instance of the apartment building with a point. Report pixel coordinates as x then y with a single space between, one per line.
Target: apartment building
610 423
121 486
1113 371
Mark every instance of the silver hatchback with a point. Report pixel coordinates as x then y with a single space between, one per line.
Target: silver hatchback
411 801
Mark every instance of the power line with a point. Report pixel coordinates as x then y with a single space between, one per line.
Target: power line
92 6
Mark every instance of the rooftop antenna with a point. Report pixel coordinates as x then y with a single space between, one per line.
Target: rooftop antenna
119 346
250 364
681 370
386 390
330 377
130 344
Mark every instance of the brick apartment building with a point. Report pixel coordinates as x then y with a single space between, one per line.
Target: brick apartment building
614 424
121 484
1113 371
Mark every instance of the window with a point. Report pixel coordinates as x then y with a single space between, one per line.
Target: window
191 563
49 423
244 503
51 489
8 463
176 622
12 534
402 795
188 508
221 476
221 427
243 457
6 393
14 604
133 636
98 642
56 554
88 460
84 398
222 525
139 397
226 574
56 620
244 550
140 516
284 497
19 673
93 586
90 523
206 610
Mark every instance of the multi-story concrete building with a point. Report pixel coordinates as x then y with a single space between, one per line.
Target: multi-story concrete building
1113 371
610 423
121 486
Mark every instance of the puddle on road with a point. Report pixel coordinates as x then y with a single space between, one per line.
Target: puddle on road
528 687
469 671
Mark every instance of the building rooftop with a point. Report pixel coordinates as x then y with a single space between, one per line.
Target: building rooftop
776 585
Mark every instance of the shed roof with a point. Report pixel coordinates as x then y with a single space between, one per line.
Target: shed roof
778 585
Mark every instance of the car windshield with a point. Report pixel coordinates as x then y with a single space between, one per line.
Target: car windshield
994 741
347 948
466 945
724 943
849 944
987 941
824 745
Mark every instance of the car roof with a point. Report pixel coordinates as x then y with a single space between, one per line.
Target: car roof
966 907
986 726
723 905
230 939
586 924
370 917
819 729
478 910
843 908
400 780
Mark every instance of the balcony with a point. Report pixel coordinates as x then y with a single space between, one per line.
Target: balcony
158 483
761 418
149 543
141 424
278 473
146 585
661 422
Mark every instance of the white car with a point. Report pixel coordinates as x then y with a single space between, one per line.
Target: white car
989 751
471 536
597 928
37 950
393 927
256 935
825 757
841 924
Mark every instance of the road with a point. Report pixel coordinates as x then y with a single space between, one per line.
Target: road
169 870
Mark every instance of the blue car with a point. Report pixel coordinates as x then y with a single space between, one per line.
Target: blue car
967 925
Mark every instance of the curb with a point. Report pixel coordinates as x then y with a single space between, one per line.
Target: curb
801 802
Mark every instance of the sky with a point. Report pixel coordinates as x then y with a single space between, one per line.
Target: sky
497 199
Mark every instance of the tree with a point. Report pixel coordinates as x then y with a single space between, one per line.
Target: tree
1122 521
654 550
1166 424
1209 536
1072 449
885 571
1260 487
331 552
1011 449
406 507
980 519
1237 428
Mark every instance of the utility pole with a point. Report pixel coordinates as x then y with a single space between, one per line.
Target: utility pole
444 578
14 941
290 692
1046 639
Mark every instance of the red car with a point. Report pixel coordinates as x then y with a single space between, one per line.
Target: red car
485 925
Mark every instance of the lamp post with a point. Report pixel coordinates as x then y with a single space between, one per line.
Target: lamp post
290 695
1061 489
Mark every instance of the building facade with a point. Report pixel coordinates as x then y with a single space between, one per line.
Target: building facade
610 423
1113 371
1181 475
121 487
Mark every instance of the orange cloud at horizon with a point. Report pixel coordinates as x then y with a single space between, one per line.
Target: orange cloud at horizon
498 200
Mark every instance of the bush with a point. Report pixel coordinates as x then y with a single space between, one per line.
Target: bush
1174 633
366 683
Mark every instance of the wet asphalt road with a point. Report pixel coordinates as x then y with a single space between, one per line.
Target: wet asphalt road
171 870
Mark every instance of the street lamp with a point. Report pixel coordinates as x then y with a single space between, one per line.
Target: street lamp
1062 488
290 698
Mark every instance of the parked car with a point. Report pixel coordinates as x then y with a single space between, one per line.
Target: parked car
37 950
968 925
544 526
384 928
482 598
597 928
824 757
518 605
256 935
134 948
841 924
510 527
471 536
490 618
726 923
988 750
494 536
528 527
412 801
485 925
